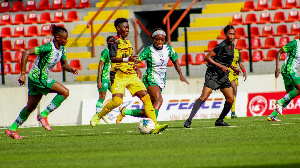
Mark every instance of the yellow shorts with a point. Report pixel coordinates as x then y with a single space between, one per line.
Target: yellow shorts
121 80
235 77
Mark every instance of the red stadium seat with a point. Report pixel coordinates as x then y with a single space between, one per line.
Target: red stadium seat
237 19
46 40
142 64
265 18
18 56
276 4
7 69
222 35
267 31
57 4
283 41
269 43
30 6
293 16
19 31
289 4
45 18
271 55
295 29
183 60
297 37
4 7
57 68
76 64
6 57
84 4
19 19
44 5
262 5
240 32
58 17
19 45
45 30
32 31
170 63
258 55
241 44
5 19
33 43
245 56
31 58
282 30
17 6
31 18
199 59
18 68
256 43
6 45
211 45
255 31
251 19
70 4
248 6
283 56
5 32
279 17
72 16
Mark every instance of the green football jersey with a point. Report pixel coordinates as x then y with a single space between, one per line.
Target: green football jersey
106 67
292 60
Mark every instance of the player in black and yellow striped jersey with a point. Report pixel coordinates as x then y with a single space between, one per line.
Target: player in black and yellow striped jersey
122 75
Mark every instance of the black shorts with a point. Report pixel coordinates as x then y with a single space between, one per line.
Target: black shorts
216 79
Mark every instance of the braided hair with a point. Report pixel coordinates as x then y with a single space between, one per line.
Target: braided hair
57 29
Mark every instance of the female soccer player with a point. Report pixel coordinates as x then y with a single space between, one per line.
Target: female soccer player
39 83
157 56
122 75
289 74
216 77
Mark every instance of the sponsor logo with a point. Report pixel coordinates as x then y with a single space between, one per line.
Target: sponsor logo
49 80
185 104
258 105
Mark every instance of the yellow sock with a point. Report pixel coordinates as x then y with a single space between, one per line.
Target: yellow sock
233 105
149 110
113 103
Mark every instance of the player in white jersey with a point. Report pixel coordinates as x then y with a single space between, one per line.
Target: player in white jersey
156 56
39 83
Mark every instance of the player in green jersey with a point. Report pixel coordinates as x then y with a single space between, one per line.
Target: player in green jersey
39 83
289 74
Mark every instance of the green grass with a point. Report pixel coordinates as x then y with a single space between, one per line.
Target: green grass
250 142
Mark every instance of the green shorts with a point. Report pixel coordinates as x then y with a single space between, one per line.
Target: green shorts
105 85
291 80
37 86
150 83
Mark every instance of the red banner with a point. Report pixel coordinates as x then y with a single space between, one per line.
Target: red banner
260 104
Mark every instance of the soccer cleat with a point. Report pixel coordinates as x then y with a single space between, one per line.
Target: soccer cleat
279 107
273 118
160 128
233 116
221 123
95 120
44 122
187 124
226 118
13 134
121 115
105 119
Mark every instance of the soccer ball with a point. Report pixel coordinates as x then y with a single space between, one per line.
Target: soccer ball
146 126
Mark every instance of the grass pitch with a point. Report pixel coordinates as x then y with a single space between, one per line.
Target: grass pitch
249 142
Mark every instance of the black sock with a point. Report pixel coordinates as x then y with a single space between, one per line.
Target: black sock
196 107
225 111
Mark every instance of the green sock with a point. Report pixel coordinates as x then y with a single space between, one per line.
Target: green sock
132 112
54 104
20 119
156 112
274 113
288 97
99 105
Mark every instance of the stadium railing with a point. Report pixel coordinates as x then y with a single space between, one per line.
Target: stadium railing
136 21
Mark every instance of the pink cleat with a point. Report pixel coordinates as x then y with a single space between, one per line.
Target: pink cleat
44 122
13 134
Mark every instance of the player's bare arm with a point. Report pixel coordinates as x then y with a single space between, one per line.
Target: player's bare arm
101 63
24 60
178 69
67 67
278 55
208 58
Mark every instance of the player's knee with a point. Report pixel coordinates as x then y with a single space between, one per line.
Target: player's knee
65 93
230 100
159 99
117 101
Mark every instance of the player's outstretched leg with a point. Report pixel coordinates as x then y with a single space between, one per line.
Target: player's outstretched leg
198 103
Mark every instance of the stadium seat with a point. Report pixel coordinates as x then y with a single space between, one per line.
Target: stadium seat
33 43
142 64
297 37
245 56
44 5
258 55
19 19
61 25
271 55
270 42
276 4
295 29
72 16
241 44
31 58
265 17
199 59
283 56
248 6
256 43
76 64
5 32
255 31
45 30
283 41
17 6
279 17
57 4
31 18
262 5
19 45
211 45
46 40
293 16
70 4
31 6
289 4
170 63
19 31
83 4
6 57
240 32
222 35
282 30
183 60
4 7
57 68
251 19
45 18
58 17
6 45
32 31
237 19
18 68
18 56
5 19
267 31
7 69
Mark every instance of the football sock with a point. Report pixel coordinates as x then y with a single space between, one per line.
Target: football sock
198 103
233 106
54 104
225 111
274 113
288 97
20 119
156 112
132 112
113 103
149 110
99 105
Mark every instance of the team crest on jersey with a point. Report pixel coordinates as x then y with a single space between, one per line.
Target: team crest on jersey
49 80
105 84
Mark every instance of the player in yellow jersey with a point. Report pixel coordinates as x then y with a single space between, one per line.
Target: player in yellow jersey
233 77
122 75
